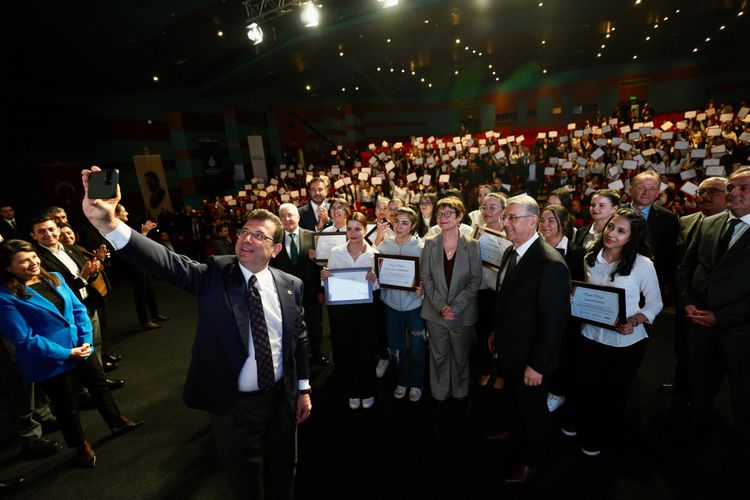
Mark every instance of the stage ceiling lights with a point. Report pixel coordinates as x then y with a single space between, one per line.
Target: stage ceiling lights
388 3
310 15
255 33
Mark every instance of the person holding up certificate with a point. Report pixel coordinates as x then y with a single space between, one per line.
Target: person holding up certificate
609 359
402 310
352 325
451 272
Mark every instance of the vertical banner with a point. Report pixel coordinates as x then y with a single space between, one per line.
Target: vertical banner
153 183
218 178
257 156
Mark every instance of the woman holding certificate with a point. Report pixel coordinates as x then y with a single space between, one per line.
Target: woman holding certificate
352 325
402 311
609 358
451 272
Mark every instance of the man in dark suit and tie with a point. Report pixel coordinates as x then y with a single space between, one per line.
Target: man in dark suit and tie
663 227
10 228
249 366
711 200
314 215
533 304
294 259
714 291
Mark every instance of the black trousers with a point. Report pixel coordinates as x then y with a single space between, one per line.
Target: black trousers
604 375
528 416
61 391
486 301
144 295
712 352
256 442
353 341
313 321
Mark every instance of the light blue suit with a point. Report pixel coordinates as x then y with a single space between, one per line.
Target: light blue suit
43 337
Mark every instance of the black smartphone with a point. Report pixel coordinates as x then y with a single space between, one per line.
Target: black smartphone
103 184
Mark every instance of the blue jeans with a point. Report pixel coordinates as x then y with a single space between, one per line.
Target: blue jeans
410 368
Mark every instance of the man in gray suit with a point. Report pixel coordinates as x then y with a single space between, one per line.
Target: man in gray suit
714 291
711 200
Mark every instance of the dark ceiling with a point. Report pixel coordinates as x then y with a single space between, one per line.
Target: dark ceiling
100 46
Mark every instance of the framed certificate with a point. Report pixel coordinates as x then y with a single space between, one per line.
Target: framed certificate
372 230
598 305
397 271
323 244
492 246
348 286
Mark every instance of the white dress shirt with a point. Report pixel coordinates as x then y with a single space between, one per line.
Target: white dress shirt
740 229
642 279
248 380
67 261
520 251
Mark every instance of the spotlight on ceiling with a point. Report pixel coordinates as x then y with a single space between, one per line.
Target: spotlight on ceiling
255 34
310 15
388 3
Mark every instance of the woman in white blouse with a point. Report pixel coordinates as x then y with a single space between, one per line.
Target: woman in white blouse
352 325
609 358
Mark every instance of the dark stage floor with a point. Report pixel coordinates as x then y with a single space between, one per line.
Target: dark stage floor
397 449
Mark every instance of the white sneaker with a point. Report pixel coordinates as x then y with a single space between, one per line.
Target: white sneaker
399 392
354 403
554 401
590 453
382 367
415 394
368 402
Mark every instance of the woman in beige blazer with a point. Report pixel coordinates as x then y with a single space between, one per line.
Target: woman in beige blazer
451 272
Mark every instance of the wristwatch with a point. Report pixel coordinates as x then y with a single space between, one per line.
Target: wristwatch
305 391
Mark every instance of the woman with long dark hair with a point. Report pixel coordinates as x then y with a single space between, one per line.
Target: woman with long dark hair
609 358
353 325
51 330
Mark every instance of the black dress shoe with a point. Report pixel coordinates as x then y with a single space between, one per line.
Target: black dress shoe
39 448
114 384
319 360
124 425
521 474
159 318
112 358
150 325
11 484
109 366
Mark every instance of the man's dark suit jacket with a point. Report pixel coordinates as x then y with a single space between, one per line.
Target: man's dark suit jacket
532 310
689 225
720 284
221 342
663 229
8 233
307 218
305 269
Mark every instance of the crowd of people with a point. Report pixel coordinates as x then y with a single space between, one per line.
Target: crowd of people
502 225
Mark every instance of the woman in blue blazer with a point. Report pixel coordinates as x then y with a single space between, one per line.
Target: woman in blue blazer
52 333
